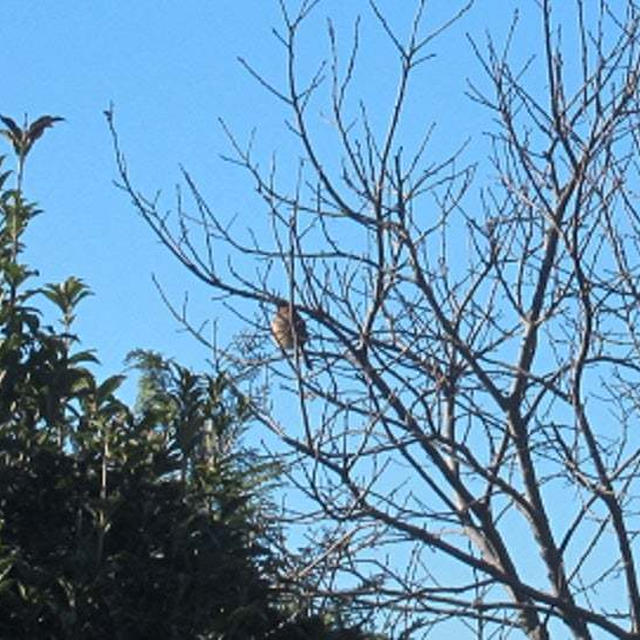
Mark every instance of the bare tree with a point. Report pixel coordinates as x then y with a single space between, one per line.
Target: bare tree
469 431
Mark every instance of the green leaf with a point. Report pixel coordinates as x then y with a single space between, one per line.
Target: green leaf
109 386
84 356
84 382
67 295
3 177
13 127
37 128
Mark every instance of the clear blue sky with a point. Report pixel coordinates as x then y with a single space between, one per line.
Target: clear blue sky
170 68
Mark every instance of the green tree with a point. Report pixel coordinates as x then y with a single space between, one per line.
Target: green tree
121 523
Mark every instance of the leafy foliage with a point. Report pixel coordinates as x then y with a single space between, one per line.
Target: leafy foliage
22 139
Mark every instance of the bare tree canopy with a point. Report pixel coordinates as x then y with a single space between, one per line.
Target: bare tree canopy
468 434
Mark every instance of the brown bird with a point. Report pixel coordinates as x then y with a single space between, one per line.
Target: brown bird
289 330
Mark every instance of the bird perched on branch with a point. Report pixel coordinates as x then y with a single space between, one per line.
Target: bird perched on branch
290 331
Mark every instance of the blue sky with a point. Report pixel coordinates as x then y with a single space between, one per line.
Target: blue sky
171 70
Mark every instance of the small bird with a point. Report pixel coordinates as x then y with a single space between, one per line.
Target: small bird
290 331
